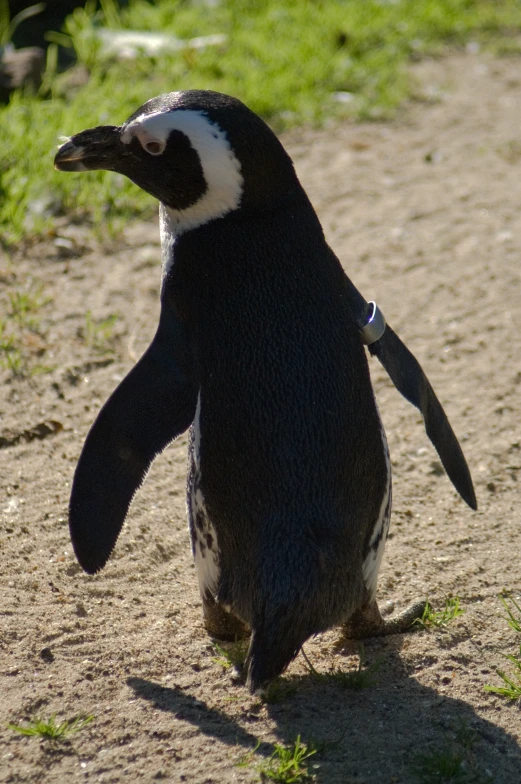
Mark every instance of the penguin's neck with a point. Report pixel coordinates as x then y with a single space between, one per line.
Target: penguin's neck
247 254
296 208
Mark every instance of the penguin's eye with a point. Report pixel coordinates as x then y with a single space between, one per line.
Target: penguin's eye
154 147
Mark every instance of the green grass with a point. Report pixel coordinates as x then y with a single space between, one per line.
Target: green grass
512 681
99 333
233 655
513 620
354 680
438 619
455 763
8 25
286 60
21 343
50 729
362 678
278 691
287 764
447 766
11 353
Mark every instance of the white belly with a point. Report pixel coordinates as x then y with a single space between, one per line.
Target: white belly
371 564
205 547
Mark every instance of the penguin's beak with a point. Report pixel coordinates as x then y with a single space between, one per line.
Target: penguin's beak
96 148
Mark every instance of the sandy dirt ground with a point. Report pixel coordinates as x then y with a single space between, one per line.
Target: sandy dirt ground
424 214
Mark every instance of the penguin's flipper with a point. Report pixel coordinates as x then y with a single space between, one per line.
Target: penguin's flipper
409 379
153 404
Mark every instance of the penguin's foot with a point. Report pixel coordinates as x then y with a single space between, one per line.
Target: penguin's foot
368 622
222 624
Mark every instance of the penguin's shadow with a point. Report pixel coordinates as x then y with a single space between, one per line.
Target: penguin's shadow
367 735
187 708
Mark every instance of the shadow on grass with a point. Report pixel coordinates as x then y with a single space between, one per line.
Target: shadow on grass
370 736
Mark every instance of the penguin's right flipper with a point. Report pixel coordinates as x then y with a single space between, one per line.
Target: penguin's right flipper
409 379
153 404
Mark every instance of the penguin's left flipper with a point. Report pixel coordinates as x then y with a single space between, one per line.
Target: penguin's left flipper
408 377
154 404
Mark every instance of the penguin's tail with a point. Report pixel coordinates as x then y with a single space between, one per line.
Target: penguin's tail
299 587
274 643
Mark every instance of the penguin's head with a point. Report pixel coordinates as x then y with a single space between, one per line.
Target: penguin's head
200 153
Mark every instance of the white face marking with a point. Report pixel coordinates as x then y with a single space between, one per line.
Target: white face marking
371 564
221 169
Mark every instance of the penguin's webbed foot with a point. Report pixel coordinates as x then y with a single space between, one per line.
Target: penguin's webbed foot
368 622
222 624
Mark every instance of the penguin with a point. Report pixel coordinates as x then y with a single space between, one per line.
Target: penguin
260 354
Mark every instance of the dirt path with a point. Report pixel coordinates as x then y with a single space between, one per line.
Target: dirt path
425 215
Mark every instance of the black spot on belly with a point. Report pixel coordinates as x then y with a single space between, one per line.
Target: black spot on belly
209 541
380 534
200 521
376 543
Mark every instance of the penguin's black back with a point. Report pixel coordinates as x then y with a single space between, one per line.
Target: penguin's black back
293 468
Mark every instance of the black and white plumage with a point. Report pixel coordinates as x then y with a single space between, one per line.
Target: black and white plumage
259 351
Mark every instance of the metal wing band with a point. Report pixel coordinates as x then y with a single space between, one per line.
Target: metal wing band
409 379
375 326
